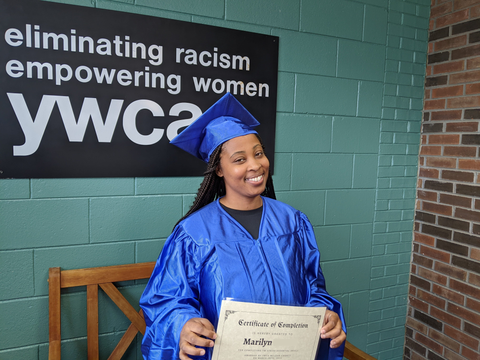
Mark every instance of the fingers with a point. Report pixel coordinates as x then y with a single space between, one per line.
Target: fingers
195 335
332 329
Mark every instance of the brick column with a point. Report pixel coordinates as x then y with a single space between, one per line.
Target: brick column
443 319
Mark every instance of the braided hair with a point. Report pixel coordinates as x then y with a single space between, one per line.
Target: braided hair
213 186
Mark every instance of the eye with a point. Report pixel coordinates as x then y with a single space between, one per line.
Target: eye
259 153
239 160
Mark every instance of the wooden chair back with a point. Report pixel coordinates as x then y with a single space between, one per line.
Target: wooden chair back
92 278
105 277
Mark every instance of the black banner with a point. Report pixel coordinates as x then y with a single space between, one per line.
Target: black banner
86 92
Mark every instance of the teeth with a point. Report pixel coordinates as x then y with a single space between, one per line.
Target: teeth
258 178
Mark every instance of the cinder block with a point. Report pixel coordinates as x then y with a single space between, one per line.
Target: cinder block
168 185
355 135
350 206
16 268
78 257
339 236
39 223
321 171
133 218
325 95
303 133
213 8
359 60
311 203
322 53
61 188
283 14
321 17
14 189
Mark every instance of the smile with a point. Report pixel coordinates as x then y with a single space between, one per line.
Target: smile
255 179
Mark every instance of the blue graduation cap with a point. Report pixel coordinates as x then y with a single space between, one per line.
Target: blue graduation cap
224 120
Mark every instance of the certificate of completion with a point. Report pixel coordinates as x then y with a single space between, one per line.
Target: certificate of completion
267 332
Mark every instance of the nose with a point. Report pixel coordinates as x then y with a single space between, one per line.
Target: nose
254 164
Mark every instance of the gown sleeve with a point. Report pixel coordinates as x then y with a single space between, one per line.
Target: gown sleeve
318 292
170 298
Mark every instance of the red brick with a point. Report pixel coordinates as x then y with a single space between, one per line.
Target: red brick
424 239
435 254
477 204
430 150
457 175
467 214
465 77
461 337
473 304
463 102
448 294
450 355
475 12
447 91
429 343
452 271
452 18
443 9
473 63
450 43
446 115
475 255
469 164
431 299
417 325
444 340
466 52
445 317
460 151
417 304
455 200
435 104
430 48
432 276
449 163
451 139
462 127
427 195
474 279
460 4
470 354
429 173
437 208
448 67
467 290
472 88
463 313
427 96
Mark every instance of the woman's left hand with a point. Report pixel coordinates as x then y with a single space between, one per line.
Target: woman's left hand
332 329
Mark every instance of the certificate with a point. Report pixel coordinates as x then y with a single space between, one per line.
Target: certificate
267 332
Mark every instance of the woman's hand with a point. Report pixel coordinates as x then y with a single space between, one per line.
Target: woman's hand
191 336
332 329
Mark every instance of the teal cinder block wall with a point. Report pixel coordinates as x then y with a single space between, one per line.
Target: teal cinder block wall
350 96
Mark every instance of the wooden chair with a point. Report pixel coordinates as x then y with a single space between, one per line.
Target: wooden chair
104 277
92 278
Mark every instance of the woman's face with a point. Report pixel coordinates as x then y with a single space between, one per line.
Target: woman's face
244 167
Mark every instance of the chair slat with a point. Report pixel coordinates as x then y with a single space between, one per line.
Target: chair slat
354 353
92 322
124 343
54 314
98 275
125 306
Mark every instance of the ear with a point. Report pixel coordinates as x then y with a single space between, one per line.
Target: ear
219 171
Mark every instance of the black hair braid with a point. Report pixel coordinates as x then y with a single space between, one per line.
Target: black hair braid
213 186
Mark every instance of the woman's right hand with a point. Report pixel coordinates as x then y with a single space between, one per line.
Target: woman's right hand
196 332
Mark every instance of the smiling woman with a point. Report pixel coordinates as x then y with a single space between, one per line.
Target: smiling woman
236 242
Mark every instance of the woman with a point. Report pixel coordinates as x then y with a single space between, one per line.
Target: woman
236 242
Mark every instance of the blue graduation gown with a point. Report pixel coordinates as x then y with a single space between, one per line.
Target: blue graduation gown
210 257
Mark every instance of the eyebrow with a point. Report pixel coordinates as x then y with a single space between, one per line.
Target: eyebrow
243 151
